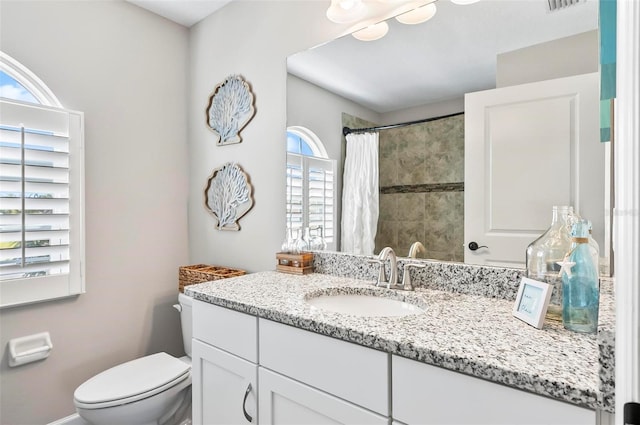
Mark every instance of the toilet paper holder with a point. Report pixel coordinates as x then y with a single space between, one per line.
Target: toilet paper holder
30 348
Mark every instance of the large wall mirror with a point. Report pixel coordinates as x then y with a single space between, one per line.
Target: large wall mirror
423 73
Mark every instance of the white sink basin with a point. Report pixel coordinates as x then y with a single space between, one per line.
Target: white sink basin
364 304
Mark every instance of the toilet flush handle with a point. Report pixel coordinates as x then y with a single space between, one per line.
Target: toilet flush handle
178 307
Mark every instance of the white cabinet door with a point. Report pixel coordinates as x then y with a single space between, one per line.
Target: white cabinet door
224 387
528 148
285 401
425 394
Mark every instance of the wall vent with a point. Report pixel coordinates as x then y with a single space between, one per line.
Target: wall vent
561 4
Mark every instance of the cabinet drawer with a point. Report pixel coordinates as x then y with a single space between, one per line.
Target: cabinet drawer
347 370
285 401
425 394
226 329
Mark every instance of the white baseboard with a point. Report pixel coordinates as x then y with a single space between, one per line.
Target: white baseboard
74 419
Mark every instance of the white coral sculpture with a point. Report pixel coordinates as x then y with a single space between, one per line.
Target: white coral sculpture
230 109
228 195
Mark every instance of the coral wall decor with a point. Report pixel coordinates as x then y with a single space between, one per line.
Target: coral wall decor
228 195
230 109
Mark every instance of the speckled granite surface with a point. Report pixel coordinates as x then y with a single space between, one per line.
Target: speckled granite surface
493 282
464 332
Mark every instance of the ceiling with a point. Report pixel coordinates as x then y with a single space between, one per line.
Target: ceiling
451 54
184 12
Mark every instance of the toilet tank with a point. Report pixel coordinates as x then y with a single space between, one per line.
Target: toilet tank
185 319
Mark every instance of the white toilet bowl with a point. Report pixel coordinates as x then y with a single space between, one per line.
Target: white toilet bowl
151 390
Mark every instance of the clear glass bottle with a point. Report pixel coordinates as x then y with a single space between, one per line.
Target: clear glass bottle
317 242
544 253
580 286
302 242
287 244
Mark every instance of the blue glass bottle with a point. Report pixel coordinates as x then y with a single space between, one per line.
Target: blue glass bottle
580 286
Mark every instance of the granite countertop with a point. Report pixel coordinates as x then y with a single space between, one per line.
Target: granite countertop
472 334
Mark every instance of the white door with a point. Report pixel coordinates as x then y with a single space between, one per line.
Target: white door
285 401
224 387
528 148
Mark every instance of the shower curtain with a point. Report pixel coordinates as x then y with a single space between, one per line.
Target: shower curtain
360 194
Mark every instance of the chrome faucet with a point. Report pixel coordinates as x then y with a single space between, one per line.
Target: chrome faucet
387 253
416 247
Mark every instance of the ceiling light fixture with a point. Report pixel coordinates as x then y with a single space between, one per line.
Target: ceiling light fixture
346 11
418 15
372 32
363 12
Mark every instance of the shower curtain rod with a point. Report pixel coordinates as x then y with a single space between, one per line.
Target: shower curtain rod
347 130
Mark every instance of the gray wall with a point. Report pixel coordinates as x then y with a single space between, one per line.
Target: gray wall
126 69
575 55
252 38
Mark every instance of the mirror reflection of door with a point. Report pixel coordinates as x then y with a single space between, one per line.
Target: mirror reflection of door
311 186
529 147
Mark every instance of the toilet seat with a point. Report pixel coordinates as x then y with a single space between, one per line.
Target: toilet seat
132 381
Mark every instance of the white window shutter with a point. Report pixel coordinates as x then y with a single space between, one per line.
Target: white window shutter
42 212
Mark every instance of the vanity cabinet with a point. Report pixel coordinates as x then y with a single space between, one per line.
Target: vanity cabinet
224 366
302 377
425 394
250 370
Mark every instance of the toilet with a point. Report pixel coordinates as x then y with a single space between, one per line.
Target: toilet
151 390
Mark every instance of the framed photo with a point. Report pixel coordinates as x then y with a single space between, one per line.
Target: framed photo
532 301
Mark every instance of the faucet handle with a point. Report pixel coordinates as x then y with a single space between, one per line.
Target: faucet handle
382 274
406 275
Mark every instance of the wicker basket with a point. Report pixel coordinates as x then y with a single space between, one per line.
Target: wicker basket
197 273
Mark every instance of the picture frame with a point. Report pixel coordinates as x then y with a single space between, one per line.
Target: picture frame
532 301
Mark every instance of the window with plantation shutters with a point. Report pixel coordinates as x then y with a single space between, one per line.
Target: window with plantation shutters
41 216
310 186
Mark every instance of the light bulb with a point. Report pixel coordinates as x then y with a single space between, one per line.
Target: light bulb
418 15
346 11
372 32
348 4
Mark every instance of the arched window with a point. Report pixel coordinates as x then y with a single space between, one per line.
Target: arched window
310 185
17 82
41 189
12 89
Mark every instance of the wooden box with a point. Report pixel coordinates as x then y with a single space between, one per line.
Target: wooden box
295 263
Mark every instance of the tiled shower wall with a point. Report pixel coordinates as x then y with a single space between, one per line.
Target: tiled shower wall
422 189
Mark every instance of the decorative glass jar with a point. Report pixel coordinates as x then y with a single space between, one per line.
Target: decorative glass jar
544 254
